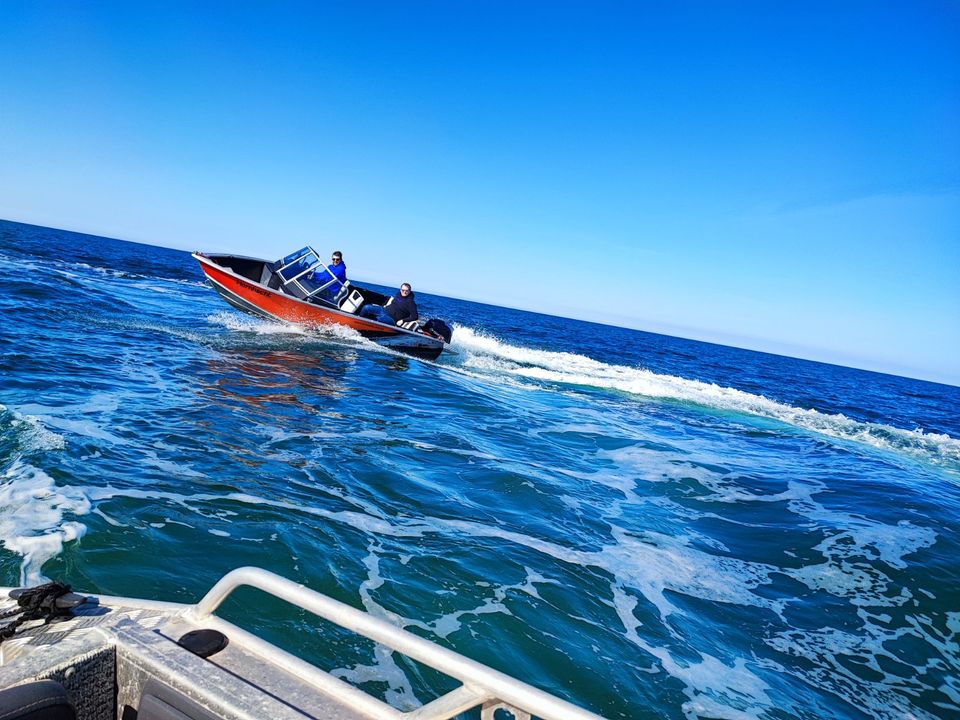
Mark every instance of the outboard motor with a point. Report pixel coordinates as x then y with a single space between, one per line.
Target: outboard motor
438 329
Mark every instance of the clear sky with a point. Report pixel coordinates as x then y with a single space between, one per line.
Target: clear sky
783 176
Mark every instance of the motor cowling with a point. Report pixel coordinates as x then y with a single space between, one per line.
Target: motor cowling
438 329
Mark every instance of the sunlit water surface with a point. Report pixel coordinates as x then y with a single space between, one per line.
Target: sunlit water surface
647 526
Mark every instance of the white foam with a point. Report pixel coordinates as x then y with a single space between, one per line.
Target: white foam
885 698
170 468
451 622
330 332
706 682
110 520
384 669
490 355
32 435
83 428
359 520
248 323
653 564
657 568
32 517
853 548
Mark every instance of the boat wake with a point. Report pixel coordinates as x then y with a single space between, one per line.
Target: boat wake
246 323
336 334
490 356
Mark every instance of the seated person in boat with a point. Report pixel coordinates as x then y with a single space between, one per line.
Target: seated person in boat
400 307
339 270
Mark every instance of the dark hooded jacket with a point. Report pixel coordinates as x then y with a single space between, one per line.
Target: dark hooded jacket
402 308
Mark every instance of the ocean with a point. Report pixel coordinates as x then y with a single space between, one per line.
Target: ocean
646 526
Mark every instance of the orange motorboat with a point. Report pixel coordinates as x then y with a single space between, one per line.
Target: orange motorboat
286 290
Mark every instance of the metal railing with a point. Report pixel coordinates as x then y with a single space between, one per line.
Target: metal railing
482 685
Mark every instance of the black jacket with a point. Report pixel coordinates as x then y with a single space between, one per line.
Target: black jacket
402 308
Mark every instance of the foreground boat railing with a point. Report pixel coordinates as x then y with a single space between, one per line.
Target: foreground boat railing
481 684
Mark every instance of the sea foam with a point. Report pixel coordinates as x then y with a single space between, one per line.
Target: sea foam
32 517
491 356
30 433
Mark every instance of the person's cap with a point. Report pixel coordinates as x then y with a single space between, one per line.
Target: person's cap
337 254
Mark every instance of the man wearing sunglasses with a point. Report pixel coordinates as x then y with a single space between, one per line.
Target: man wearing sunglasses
339 269
401 306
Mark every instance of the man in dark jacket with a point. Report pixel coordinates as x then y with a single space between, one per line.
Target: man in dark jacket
401 306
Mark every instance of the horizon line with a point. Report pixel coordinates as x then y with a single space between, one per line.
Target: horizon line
688 330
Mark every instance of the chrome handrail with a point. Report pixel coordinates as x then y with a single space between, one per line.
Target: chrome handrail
481 684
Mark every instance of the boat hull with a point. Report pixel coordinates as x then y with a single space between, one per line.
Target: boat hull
265 302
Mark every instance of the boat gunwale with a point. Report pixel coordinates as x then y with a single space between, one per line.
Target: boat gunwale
482 685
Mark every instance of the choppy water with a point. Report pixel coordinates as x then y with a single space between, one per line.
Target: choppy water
646 526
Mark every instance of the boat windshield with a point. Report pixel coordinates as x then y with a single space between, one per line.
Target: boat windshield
298 270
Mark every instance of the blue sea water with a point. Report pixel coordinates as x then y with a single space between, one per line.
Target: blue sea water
646 526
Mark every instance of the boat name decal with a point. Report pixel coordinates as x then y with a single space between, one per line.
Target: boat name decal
248 286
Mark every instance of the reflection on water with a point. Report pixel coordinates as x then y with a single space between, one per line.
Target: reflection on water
273 377
399 363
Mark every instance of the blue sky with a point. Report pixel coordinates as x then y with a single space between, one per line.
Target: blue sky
779 176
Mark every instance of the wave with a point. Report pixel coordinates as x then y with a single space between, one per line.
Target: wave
491 356
28 432
656 568
32 506
81 271
339 334
247 323
33 523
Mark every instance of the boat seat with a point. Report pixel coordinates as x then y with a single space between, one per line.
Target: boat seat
269 277
294 290
41 700
160 702
352 302
409 324
266 274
